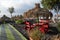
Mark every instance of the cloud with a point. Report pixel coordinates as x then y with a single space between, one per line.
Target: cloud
9 3
19 5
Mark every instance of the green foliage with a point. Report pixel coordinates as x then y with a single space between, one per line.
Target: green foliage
19 21
58 26
37 20
51 4
11 10
21 16
4 22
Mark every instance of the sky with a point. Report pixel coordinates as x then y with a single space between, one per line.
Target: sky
20 6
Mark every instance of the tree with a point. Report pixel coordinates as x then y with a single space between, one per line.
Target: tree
21 16
11 10
51 4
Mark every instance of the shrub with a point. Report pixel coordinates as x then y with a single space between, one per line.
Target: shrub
37 20
35 34
58 26
19 21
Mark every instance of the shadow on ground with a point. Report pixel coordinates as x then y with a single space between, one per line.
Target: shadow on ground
53 31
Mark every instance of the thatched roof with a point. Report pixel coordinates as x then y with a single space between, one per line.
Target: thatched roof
44 12
38 10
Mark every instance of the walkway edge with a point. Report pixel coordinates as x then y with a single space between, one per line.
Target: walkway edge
23 38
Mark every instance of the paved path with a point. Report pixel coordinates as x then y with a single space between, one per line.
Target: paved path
8 32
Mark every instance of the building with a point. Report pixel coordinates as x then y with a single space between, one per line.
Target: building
37 11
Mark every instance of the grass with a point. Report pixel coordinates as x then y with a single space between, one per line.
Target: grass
0 29
21 36
9 34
